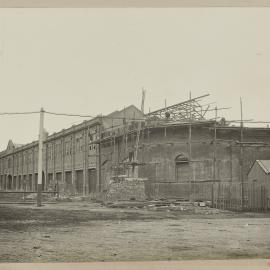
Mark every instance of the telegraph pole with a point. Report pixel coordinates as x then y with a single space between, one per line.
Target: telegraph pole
215 160
40 146
139 127
189 149
241 155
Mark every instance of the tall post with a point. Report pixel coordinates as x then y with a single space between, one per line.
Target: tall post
114 149
189 146
139 128
40 145
125 135
241 156
99 155
84 158
165 129
215 159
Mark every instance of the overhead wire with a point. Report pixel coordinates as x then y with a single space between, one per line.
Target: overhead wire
69 114
126 118
14 113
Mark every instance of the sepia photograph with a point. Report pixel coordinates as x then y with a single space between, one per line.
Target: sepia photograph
134 134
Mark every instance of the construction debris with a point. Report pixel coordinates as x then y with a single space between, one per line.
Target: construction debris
167 205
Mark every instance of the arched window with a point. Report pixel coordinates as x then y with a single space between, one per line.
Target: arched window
181 159
181 168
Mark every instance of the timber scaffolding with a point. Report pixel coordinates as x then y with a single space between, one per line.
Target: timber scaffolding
188 113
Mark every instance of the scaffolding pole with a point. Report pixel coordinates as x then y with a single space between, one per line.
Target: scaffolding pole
214 157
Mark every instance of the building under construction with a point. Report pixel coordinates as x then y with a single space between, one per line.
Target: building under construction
176 150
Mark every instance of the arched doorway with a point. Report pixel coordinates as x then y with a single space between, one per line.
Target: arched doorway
9 182
181 168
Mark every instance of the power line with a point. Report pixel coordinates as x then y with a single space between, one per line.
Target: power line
97 116
69 114
14 113
131 119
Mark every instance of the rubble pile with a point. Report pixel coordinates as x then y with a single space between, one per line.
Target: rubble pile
201 207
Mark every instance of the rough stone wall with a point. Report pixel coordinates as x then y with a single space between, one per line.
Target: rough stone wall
126 189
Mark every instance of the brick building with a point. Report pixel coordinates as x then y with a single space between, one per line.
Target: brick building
71 157
174 156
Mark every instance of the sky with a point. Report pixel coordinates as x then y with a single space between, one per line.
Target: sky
92 61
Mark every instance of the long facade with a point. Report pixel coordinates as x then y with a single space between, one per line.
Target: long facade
171 156
71 158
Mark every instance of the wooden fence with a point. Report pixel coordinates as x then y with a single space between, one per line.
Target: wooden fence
229 196
225 195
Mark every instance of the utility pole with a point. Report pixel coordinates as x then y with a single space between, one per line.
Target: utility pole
139 127
165 129
40 146
189 147
241 156
215 159
125 134
143 98
99 153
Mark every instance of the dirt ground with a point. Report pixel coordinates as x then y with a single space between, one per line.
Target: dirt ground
87 231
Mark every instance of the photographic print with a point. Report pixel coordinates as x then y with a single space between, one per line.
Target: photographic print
134 134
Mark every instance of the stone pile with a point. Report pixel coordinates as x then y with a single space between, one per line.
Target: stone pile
126 189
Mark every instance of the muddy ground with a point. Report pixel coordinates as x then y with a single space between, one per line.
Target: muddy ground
88 231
